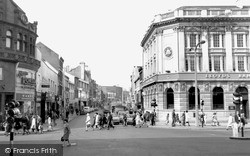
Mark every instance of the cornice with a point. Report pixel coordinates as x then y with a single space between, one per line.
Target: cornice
196 20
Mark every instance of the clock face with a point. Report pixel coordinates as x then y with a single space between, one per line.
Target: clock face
168 52
24 19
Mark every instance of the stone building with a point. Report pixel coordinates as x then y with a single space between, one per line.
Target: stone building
18 63
218 36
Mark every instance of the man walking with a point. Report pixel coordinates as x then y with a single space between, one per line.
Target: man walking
110 121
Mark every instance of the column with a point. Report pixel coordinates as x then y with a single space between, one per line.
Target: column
212 63
220 40
205 56
221 63
229 50
189 68
244 41
188 40
211 40
236 63
181 44
245 63
159 51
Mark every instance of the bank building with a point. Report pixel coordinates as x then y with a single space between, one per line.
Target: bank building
218 36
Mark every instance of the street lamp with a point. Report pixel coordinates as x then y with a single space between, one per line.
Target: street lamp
196 89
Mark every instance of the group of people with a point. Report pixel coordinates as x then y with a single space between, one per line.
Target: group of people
30 123
99 121
176 120
238 121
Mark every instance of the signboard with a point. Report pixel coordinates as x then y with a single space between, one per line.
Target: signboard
45 86
24 97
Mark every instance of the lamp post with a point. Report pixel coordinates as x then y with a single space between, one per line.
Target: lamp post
196 89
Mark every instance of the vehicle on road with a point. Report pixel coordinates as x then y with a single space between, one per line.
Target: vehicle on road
116 119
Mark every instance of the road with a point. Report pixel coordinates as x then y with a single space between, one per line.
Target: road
141 141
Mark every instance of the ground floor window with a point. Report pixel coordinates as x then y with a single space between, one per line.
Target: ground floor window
191 98
218 98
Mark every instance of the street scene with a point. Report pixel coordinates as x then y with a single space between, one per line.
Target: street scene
124 78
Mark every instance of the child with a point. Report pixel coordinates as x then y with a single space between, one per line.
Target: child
66 132
40 127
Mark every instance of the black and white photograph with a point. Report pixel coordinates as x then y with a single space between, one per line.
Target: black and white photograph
124 78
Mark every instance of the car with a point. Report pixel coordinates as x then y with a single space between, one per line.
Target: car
116 119
86 109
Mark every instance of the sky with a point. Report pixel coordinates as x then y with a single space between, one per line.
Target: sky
105 34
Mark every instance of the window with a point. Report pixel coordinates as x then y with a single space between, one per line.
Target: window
239 40
192 40
192 12
192 63
19 42
8 39
1 73
24 43
241 63
170 98
216 40
217 63
218 98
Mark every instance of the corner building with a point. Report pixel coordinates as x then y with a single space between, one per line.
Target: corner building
223 62
18 63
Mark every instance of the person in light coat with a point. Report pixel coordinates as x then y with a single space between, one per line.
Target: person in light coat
230 121
33 123
88 122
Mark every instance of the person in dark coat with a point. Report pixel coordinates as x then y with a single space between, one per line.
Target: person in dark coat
173 118
110 121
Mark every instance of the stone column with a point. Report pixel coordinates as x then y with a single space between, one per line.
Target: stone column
189 68
205 56
181 48
236 63
221 63
229 51
245 63
212 63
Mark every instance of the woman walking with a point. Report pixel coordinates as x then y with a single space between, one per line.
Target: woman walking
66 132
88 123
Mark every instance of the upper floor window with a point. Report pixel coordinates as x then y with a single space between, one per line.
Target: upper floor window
241 63
24 43
239 40
217 63
216 12
216 40
1 73
191 12
8 39
19 42
192 40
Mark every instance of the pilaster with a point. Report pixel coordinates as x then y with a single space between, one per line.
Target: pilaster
229 51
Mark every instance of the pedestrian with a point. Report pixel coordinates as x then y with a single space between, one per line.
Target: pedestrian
33 123
183 118
230 121
173 118
178 119
40 127
110 121
237 120
187 118
205 119
87 122
125 119
138 120
202 118
145 118
97 121
153 117
215 121
93 124
49 124
66 132
54 117
167 119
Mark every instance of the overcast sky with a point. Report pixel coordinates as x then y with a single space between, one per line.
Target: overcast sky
106 34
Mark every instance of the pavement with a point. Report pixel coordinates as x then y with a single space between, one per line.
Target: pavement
59 125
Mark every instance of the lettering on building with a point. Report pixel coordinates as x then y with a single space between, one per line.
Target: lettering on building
219 76
243 76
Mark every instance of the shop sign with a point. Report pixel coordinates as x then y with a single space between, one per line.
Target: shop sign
222 76
24 97
28 81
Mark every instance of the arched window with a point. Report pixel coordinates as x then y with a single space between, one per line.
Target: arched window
170 98
19 42
191 98
24 43
218 98
8 39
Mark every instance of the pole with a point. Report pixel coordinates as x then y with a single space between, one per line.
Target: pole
196 89
11 140
241 116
